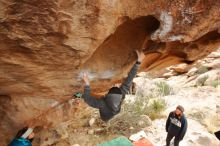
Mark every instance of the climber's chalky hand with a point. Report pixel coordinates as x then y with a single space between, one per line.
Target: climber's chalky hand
140 55
85 79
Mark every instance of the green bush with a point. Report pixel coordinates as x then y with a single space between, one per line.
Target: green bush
129 116
158 105
201 81
143 106
138 107
202 70
155 108
214 83
133 112
163 88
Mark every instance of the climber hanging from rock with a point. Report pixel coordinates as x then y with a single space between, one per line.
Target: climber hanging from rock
110 104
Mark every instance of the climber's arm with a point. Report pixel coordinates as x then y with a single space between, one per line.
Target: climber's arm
125 87
90 100
183 128
168 122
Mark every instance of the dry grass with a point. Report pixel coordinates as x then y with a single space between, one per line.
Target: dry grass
211 123
149 105
214 83
136 115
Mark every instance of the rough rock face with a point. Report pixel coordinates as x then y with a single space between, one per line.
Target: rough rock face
45 45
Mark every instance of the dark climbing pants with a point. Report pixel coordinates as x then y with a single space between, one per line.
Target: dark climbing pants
170 137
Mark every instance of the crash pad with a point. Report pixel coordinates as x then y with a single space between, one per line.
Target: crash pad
143 142
120 141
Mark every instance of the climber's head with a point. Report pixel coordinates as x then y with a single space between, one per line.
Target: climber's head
115 90
113 98
179 110
26 133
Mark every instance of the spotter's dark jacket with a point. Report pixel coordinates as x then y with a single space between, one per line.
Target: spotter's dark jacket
176 125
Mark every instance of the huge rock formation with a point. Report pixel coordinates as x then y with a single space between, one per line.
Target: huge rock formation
45 45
